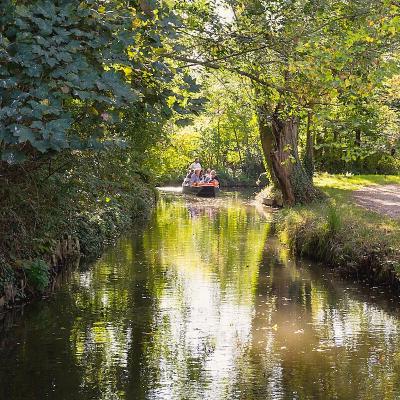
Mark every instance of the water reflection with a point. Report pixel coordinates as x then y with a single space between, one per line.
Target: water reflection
203 304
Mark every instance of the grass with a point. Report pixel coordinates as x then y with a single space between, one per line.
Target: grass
342 234
353 182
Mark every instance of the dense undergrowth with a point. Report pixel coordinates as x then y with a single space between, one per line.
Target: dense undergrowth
86 200
343 235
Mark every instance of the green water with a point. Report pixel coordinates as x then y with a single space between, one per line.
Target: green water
202 304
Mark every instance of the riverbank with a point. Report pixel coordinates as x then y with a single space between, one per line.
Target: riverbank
353 240
30 264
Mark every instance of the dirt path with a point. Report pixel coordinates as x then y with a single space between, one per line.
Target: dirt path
384 199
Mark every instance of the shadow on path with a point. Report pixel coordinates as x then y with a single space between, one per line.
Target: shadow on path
383 199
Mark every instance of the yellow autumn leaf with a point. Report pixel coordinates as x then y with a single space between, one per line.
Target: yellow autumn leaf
136 22
171 101
127 71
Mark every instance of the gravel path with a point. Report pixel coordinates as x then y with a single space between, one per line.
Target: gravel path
384 199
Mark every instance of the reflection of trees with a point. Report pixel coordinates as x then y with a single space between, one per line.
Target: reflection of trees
310 343
113 336
100 335
144 287
38 363
203 313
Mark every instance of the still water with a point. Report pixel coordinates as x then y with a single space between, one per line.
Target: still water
203 304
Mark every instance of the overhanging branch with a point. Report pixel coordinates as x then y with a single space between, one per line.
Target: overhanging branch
212 64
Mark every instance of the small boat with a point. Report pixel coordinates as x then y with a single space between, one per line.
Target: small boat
201 190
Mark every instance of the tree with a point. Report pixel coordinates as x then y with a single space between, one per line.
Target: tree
68 64
298 56
84 95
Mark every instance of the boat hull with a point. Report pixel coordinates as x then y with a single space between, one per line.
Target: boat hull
201 191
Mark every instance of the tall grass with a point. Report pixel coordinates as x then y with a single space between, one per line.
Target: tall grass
342 234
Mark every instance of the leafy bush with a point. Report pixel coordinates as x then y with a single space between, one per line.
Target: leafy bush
377 163
38 274
388 165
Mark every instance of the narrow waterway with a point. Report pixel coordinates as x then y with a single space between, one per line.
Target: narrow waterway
203 304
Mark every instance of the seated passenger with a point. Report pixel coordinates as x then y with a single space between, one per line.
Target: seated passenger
201 176
195 178
186 181
214 178
207 176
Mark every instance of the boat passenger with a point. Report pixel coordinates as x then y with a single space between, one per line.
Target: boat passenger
195 178
186 181
195 164
202 176
214 178
207 176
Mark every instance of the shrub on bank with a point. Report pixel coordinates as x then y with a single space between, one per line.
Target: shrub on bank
95 229
37 274
377 163
38 218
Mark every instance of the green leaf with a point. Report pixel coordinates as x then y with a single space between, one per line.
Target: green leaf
23 133
13 156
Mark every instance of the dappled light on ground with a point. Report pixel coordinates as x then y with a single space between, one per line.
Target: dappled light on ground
381 199
353 182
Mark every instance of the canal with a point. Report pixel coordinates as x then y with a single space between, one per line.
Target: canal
203 303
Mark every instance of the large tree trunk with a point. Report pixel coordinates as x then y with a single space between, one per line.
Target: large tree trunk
267 141
279 139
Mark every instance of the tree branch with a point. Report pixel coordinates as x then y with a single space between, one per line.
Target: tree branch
212 64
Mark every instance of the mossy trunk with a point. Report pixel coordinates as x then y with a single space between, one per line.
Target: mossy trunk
267 141
279 139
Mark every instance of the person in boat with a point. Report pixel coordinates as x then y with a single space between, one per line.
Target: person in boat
186 181
207 176
195 164
214 178
202 176
195 178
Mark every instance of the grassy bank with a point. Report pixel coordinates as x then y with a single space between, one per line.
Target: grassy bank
347 237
